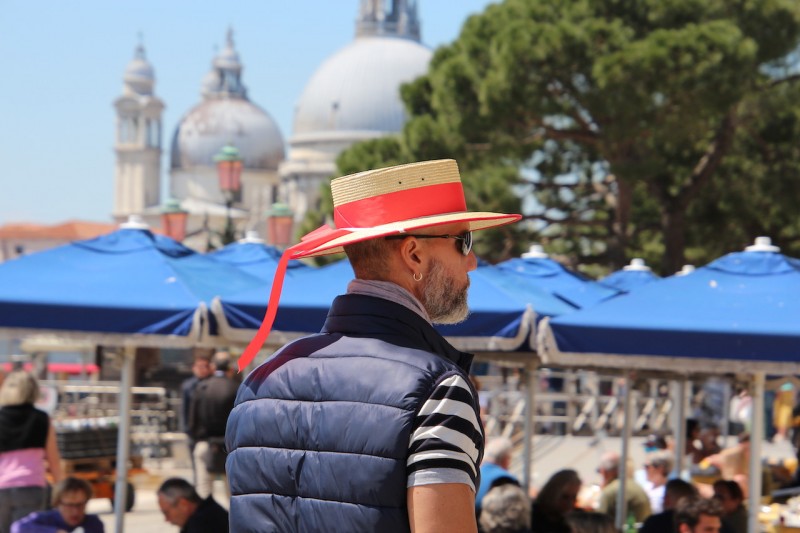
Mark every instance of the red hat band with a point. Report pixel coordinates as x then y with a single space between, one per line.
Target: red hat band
408 204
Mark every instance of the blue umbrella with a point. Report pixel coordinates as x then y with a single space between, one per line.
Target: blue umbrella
129 282
631 276
255 258
738 313
537 269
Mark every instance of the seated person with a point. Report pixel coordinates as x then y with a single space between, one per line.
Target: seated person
70 496
494 468
734 513
637 501
698 515
183 507
658 466
506 509
734 462
554 502
664 522
709 441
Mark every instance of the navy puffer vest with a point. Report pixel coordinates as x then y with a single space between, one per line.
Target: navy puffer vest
319 436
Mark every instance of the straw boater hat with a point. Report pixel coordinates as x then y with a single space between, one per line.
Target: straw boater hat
380 203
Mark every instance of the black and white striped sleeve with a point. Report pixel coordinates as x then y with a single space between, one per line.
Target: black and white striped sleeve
447 437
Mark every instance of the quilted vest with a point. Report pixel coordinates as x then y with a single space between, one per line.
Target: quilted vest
319 435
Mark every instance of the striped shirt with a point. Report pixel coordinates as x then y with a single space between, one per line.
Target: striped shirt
447 437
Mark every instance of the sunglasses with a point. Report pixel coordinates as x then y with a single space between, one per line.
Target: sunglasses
75 505
463 241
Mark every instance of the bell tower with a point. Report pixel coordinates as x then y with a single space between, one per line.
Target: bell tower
138 140
388 17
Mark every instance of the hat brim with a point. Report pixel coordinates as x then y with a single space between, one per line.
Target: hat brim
476 221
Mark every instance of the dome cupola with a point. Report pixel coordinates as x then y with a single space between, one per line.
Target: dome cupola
226 116
139 77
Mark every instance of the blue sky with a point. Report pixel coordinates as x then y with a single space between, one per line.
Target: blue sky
62 65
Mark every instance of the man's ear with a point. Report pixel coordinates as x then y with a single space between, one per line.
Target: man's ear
413 256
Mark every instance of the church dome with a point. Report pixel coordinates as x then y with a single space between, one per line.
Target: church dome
226 116
358 88
216 122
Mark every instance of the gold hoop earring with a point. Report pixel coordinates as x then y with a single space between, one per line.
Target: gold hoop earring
417 278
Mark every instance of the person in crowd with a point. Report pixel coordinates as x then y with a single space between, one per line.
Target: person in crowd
731 498
211 404
494 468
782 411
183 507
692 448
658 466
590 522
709 441
506 509
554 502
483 399
664 522
655 442
201 369
69 499
373 421
741 408
698 515
795 433
28 449
734 462
637 501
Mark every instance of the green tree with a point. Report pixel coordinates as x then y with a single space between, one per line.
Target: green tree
613 120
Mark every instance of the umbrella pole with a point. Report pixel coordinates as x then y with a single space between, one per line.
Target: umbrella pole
680 426
527 446
756 436
123 438
622 472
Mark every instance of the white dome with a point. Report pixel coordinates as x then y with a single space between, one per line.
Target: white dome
358 88
215 122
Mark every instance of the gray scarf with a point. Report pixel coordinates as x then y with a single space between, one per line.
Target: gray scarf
388 291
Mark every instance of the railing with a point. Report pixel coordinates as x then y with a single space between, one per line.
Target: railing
96 404
574 403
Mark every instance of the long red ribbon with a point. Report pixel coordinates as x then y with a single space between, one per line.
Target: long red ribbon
312 240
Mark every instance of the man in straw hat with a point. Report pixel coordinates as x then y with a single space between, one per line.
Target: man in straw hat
371 425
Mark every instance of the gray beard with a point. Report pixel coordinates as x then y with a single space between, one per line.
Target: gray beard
445 304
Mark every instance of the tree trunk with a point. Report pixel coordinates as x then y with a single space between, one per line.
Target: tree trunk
673 226
619 238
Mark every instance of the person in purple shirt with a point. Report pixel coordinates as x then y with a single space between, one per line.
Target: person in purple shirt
70 497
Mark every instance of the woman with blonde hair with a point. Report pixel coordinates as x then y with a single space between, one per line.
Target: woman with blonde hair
28 449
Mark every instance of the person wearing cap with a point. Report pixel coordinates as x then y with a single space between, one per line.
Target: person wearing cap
373 424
